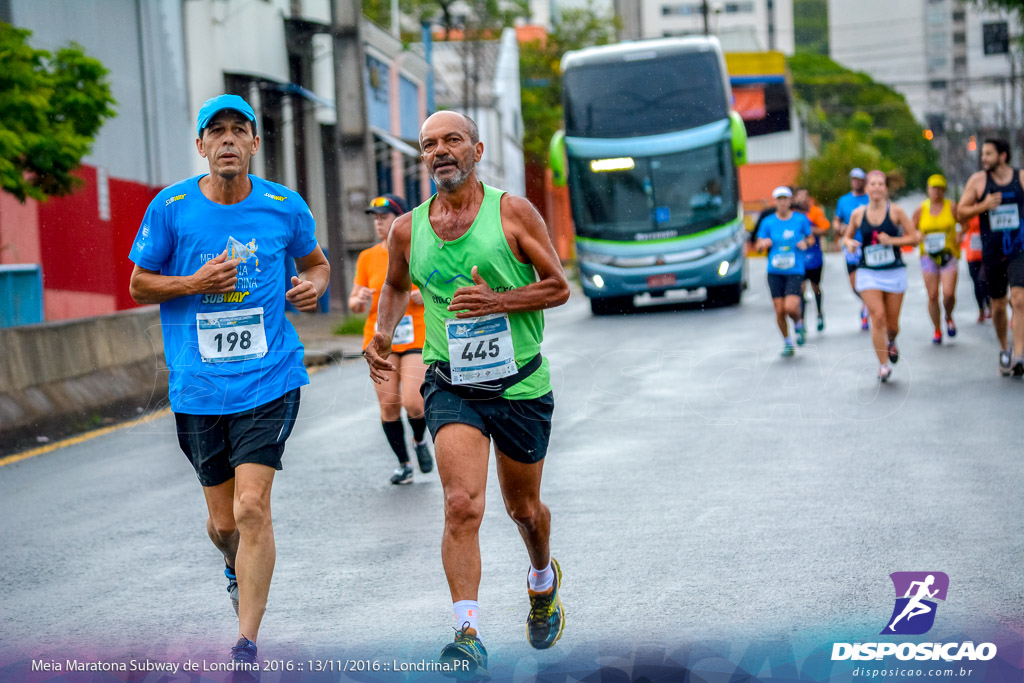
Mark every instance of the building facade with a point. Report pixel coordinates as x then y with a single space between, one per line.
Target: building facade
933 52
166 57
741 25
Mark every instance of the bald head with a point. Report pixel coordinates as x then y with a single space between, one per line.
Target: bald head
449 120
451 147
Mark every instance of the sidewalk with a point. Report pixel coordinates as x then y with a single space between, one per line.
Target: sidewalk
316 331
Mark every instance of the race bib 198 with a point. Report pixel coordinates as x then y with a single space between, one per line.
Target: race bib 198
480 349
226 336
877 255
784 260
1005 217
404 333
935 242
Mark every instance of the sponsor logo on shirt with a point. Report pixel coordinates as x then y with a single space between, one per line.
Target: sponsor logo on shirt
275 197
229 298
174 199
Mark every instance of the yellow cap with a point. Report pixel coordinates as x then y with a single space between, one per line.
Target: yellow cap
937 180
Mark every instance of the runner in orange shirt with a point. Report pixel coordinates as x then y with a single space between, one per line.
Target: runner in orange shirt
972 252
403 385
814 261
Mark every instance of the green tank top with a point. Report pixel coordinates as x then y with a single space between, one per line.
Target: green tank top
439 268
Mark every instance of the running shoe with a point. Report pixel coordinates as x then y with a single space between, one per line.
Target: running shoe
821 322
884 373
232 587
546 622
937 337
981 317
402 475
1005 362
894 352
950 328
423 458
801 334
864 321
988 313
466 658
244 652
1018 368
787 351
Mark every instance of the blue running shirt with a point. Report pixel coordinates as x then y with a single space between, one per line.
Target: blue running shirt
225 355
784 258
844 209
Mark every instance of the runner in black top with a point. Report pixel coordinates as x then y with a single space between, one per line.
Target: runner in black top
996 195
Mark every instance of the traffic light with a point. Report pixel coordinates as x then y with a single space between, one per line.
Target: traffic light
928 134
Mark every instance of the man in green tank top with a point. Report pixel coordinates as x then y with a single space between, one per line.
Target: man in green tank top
486 268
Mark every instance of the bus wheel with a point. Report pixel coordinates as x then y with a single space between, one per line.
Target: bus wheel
611 305
725 295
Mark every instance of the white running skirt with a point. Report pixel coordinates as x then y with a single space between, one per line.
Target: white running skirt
893 280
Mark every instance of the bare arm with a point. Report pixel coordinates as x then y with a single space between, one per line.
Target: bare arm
394 299
216 276
531 245
311 282
974 203
851 229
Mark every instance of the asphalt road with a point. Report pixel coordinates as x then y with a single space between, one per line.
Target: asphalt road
701 488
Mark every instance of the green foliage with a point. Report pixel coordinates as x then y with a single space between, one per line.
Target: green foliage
860 123
352 324
51 107
540 71
810 26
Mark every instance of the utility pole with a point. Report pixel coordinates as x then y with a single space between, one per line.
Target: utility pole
704 12
352 145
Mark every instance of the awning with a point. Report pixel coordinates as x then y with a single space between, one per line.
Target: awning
395 143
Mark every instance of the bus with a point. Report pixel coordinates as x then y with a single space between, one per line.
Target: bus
649 152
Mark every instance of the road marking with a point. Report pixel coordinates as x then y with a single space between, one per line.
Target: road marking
64 443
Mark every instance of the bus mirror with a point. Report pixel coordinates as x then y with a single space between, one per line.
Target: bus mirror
556 152
739 138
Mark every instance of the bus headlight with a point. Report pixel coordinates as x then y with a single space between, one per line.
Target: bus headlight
598 281
723 268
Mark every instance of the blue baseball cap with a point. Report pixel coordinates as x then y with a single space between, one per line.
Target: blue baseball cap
219 103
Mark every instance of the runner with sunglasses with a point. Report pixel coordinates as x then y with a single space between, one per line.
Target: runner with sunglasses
403 386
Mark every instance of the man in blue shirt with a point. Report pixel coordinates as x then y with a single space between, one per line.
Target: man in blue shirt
211 251
786 235
844 209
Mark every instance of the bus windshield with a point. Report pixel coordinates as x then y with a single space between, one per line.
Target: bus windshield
661 94
661 196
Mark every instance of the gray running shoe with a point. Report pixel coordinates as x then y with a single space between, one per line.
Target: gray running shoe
402 475
1005 364
232 587
423 457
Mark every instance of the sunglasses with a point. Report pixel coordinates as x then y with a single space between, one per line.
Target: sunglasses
382 203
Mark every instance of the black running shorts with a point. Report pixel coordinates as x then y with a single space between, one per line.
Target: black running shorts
217 444
814 275
520 429
784 285
1002 271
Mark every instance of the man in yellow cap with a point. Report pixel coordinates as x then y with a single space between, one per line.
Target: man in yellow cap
937 220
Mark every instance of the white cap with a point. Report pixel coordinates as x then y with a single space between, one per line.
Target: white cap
781 191
858 173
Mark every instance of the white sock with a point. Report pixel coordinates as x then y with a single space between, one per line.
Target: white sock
788 341
541 580
467 612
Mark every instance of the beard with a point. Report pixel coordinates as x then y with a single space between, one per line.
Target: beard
455 181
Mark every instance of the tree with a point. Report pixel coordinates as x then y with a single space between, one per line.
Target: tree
51 107
859 121
540 72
